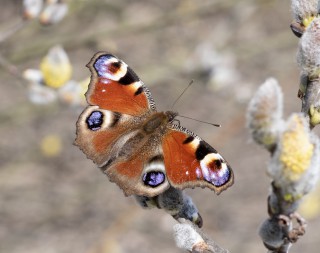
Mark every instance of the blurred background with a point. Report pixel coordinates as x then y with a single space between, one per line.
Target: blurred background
52 199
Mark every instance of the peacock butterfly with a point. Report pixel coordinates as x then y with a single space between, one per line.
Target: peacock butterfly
140 149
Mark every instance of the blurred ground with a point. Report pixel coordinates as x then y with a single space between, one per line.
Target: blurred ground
63 203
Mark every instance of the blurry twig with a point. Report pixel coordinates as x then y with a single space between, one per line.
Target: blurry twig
4 63
17 27
190 237
10 68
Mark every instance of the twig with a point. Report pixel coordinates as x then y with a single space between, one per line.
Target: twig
7 34
294 165
190 237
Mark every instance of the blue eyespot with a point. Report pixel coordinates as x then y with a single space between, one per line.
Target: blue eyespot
153 178
95 120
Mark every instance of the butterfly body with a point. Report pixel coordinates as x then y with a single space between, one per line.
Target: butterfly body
139 148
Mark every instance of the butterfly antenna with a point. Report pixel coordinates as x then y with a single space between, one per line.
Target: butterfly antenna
174 103
209 123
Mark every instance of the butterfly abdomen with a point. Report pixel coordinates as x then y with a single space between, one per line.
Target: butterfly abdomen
133 143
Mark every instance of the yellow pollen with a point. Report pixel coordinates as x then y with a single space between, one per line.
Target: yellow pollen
296 150
307 20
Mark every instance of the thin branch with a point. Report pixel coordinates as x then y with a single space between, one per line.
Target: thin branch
190 237
17 27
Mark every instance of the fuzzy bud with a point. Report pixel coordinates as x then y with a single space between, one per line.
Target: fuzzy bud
264 114
304 10
189 211
146 202
53 13
33 76
175 202
179 205
308 56
186 236
171 200
56 68
32 8
40 94
189 237
37 92
272 234
295 164
314 113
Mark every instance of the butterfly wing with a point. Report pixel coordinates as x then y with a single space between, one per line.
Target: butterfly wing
116 96
98 131
192 162
109 129
142 174
114 86
123 151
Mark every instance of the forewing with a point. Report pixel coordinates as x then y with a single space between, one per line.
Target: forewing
114 86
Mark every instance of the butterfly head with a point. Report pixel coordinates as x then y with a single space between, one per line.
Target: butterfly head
171 115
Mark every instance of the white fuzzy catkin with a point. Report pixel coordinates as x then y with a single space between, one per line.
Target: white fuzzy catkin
53 13
32 8
171 201
272 233
303 8
308 56
186 236
295 164
264 114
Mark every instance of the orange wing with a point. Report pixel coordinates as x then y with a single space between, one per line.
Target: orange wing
192 162
129 158
114 86
143 174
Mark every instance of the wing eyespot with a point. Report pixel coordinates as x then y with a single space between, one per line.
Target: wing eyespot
94 120
218 163
115 66
153 178
154 173
215 170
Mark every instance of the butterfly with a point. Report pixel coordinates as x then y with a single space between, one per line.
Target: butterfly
140 149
